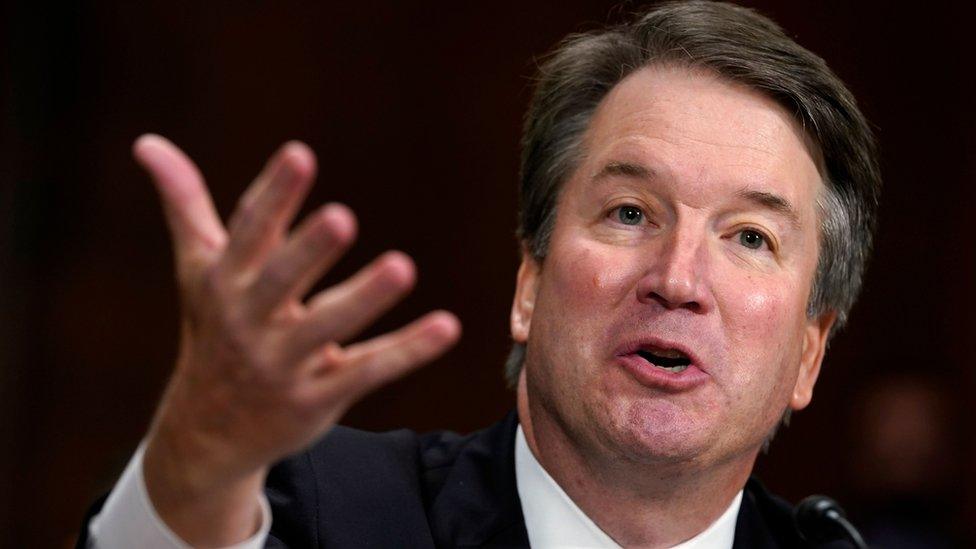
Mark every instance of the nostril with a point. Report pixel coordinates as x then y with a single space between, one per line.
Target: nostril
692 306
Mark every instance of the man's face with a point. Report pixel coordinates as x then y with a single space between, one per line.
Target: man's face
668 321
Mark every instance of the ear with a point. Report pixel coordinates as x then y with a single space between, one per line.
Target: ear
815 338
526 283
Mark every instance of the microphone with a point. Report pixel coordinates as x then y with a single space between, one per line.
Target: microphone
820 519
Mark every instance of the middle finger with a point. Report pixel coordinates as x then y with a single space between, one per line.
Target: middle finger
294 267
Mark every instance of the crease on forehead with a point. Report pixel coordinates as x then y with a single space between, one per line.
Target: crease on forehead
794 123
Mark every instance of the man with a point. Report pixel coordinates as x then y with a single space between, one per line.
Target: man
698 199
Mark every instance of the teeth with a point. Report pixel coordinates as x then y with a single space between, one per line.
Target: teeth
669 353
666 359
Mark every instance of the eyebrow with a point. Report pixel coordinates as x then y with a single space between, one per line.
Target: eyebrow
772 202
626 169
767 200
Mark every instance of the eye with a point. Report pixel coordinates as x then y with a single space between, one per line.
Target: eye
630 215
751 239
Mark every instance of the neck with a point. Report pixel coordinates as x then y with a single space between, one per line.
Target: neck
636 504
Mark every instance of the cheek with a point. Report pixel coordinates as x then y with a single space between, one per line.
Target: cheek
589 276
759 308
762 308
763 322
582 291
765 326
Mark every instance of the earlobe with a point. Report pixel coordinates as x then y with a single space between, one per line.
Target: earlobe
811 357
524 302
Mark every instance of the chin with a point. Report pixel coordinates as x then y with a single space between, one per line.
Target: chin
656 431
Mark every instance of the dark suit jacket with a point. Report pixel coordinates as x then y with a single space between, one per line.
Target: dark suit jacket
401 489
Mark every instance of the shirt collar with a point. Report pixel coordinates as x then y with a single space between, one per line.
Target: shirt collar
552 519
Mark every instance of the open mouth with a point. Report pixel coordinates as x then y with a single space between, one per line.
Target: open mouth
670 360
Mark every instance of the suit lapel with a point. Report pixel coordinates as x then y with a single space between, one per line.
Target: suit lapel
751 531
478 505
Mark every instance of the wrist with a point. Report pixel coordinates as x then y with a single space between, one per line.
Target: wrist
195 478
201 504
194 439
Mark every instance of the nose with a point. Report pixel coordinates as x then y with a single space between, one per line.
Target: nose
676 275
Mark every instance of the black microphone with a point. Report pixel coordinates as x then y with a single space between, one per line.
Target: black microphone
820 519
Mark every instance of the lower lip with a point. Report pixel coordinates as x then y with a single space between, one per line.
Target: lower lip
651 376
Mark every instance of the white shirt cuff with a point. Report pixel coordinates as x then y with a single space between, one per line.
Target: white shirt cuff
129 519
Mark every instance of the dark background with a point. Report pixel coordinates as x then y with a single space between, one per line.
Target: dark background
415 110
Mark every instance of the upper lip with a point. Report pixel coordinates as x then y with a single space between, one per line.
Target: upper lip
652 344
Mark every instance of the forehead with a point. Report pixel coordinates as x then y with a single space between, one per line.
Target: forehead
702 133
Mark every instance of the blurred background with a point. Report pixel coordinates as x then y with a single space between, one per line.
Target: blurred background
415 111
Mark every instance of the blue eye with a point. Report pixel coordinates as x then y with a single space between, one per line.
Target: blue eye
630 215
751 239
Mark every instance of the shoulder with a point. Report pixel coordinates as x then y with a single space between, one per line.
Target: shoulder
382 485
766 520
419 462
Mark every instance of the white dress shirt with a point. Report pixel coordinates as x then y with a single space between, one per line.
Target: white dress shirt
128 519
552 520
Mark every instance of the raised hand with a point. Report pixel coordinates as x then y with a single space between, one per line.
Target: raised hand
262 373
